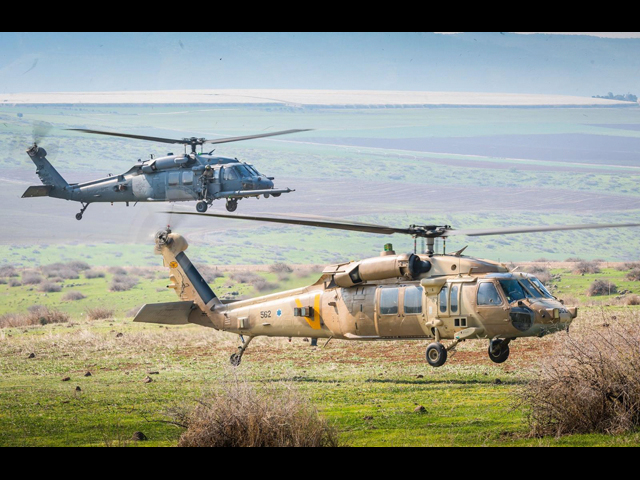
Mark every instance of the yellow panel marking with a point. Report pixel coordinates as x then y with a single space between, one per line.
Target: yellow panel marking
173 264
315 323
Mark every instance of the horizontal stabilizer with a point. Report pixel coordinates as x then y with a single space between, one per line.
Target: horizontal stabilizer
38 191
172 313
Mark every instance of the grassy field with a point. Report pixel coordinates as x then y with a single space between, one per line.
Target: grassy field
86 382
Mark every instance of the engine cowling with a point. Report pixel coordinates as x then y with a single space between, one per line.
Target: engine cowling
406 265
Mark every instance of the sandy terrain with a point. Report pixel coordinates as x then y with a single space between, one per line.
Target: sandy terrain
305 97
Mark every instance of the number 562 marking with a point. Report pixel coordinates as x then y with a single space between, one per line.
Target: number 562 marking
265 314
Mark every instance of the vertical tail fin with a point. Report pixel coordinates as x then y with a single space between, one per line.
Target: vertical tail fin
48 175
185 278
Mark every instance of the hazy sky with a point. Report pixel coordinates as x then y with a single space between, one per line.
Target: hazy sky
481 62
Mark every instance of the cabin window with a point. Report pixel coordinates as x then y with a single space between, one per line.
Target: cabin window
443 299
413 300
229 174
388 301
187 178
488 295
174 179
453 304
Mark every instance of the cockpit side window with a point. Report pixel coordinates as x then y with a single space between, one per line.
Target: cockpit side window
530 288
488 295
243 171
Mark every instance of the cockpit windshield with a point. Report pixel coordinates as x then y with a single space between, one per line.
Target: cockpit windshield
541 287
517 289
243 171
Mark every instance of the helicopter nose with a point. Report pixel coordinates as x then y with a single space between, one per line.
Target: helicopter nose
263 182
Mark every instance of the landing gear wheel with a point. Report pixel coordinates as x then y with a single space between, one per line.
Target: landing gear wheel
78 216
232 204
84 207
201 206
436 354
498 351
235 359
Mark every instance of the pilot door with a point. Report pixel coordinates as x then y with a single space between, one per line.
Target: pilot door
490 305
400 311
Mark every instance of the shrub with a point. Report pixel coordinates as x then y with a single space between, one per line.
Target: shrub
245 277
589 384
78 265
8 271
542 273
117 270
583 267
237 415
99 313
31 278
36 315
632 300
49 287
634 274
210 273
601 287
61 270
280 267
121 283
14 283
89 274
262 285
73 296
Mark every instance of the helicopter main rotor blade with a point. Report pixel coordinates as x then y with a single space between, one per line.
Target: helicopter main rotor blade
128 135
359 227
249 137
477 232
187 141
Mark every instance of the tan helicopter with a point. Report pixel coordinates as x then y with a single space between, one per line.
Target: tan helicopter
391 297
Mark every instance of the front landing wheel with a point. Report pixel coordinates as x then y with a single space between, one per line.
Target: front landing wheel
499 351
201 207
235 359
78 216
436 354
232 204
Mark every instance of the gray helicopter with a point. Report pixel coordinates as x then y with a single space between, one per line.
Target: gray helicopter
192 176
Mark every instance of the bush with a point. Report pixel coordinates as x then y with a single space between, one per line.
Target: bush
36 315
14 283
117 270
634 274
31 278
78 265
210 273
89 274
49 287
632 300
583 267
121 283
73 296
542 273
62 270
601 287
589 384
237 415
8 271
280 267
99 313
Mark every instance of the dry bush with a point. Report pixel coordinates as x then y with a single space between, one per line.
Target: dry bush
36 315
73 296
62 270
601 287
245 276
14 282
8 271
31 278
210 273
633 275
280 267
589 384
49 287
89 274
631 300
238 415
262 285
99 313
78 265
3 281
117 270
121 283
584 266
542 273
302 272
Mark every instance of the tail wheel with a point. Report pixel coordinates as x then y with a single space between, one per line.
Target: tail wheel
436 354
498 351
